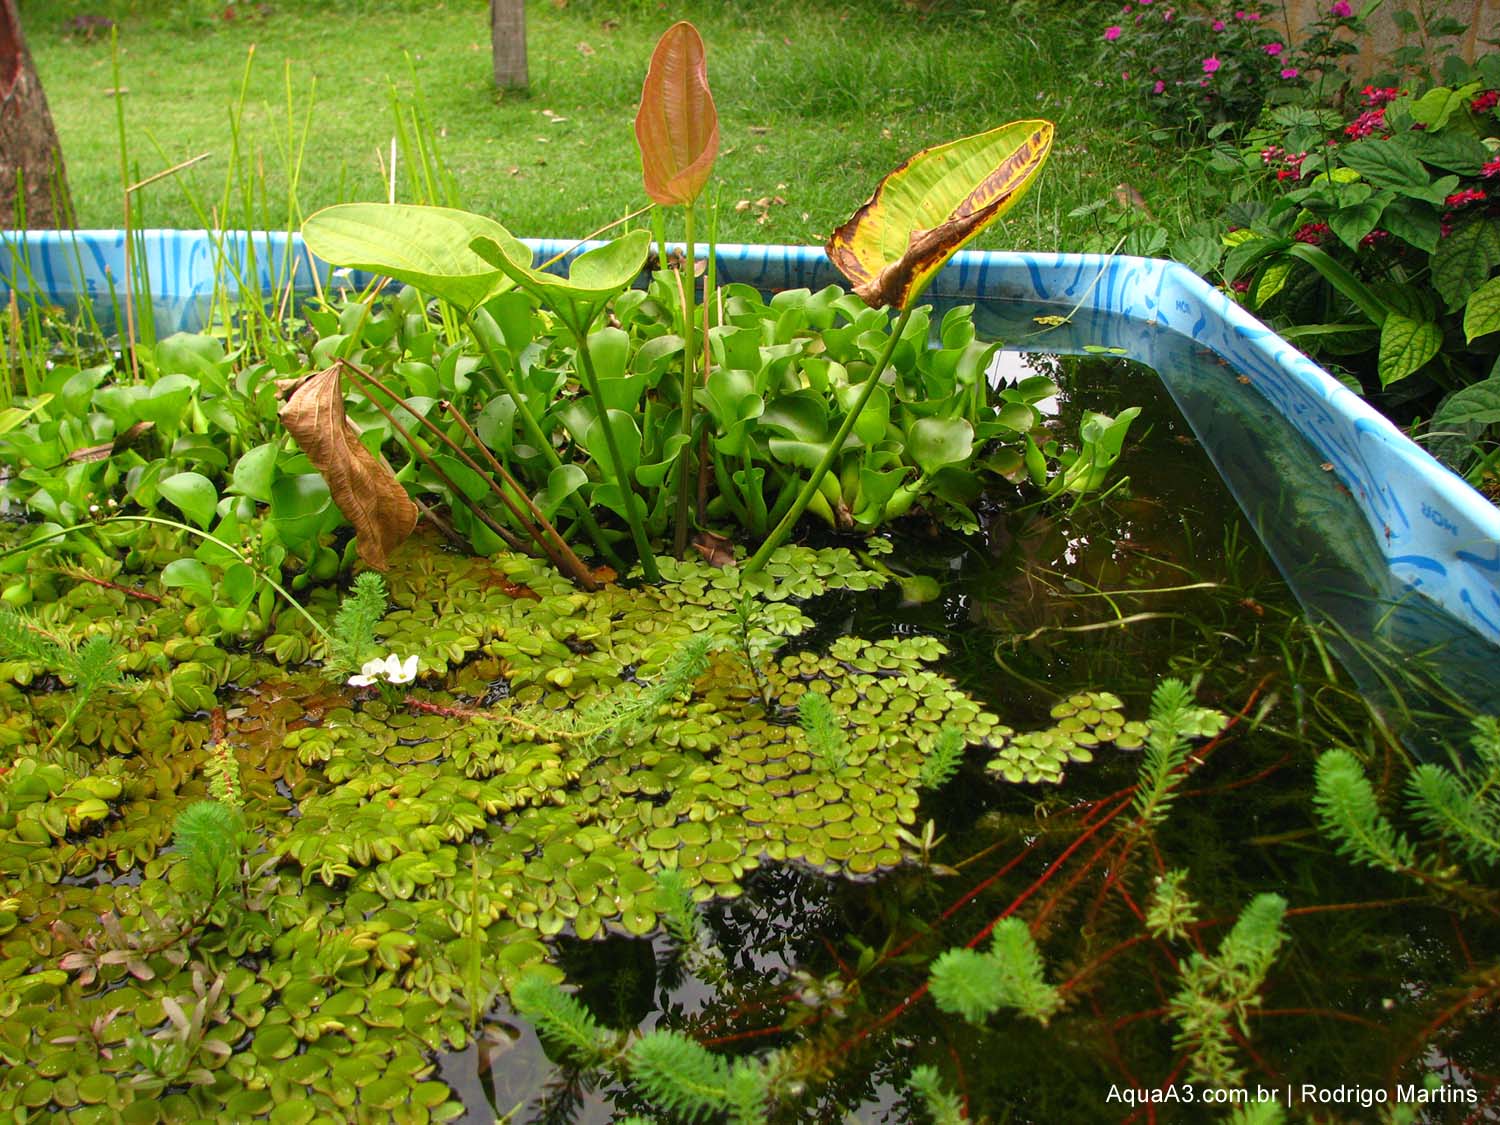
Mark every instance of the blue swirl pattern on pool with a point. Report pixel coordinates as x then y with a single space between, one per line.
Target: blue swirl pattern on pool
1439 535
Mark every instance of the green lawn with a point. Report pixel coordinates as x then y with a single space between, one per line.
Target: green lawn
809 121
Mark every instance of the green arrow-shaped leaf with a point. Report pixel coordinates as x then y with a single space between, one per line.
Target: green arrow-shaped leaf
423 246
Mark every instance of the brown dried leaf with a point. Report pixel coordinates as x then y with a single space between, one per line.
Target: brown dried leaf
107 449
365 489
715 549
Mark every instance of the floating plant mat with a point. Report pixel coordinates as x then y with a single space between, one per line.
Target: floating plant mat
410 847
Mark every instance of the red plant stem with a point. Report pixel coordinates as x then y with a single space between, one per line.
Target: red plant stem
1241 782
1108 955
1458 935
741 1036
1438 1022
1042 879
439 709
128 591
1318 1013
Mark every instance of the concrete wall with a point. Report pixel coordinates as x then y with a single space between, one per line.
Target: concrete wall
1481 16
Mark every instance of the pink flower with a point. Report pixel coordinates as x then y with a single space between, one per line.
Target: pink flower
1484 101
1366 123
1491 169
1125 74
1241 14
1467 196
1290 72
1219 25
1378 96
1112 33
1341 10
1211 64
1311 233
1159 86
1272 49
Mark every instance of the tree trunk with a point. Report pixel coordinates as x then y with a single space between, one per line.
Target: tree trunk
507 42
33 181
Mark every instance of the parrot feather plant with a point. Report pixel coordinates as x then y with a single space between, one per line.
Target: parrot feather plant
920 215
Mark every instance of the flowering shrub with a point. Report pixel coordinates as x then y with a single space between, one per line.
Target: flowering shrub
1196 66
1379 246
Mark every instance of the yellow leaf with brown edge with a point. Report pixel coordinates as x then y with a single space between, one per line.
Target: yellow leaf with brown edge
929 207
364 488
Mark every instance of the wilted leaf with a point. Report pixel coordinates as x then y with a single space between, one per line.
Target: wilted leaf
929 207
365 490
677 126
715 549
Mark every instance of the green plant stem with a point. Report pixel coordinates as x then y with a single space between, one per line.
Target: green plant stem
780 532
689 383
633 515
215 540
481 331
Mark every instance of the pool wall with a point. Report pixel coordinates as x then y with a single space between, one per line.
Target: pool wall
1439 536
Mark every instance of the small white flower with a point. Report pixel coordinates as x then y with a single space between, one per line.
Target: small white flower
369 674
399 671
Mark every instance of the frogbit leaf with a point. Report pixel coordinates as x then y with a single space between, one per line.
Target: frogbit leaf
677 126
365 489
925 210
423 246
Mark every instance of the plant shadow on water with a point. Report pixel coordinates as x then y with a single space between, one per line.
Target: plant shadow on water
1379 987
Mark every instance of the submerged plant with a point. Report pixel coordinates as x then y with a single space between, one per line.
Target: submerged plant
353 630
563 1022
1218 991
1458 807
207 835
942 759
1009 975
1175 720
826 740
941 1104
93 665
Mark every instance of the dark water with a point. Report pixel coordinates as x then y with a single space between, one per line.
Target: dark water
1165 577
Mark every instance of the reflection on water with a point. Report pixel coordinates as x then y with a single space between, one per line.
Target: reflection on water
1425 671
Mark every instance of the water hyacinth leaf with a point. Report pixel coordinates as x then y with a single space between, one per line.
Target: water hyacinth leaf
365 489
427 247
562 482
254 472
593 277
935 442
677 126
188 574
188 353
167 401
194 494
925 210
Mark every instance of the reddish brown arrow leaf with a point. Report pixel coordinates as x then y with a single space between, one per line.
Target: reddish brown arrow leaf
364 488
677 126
